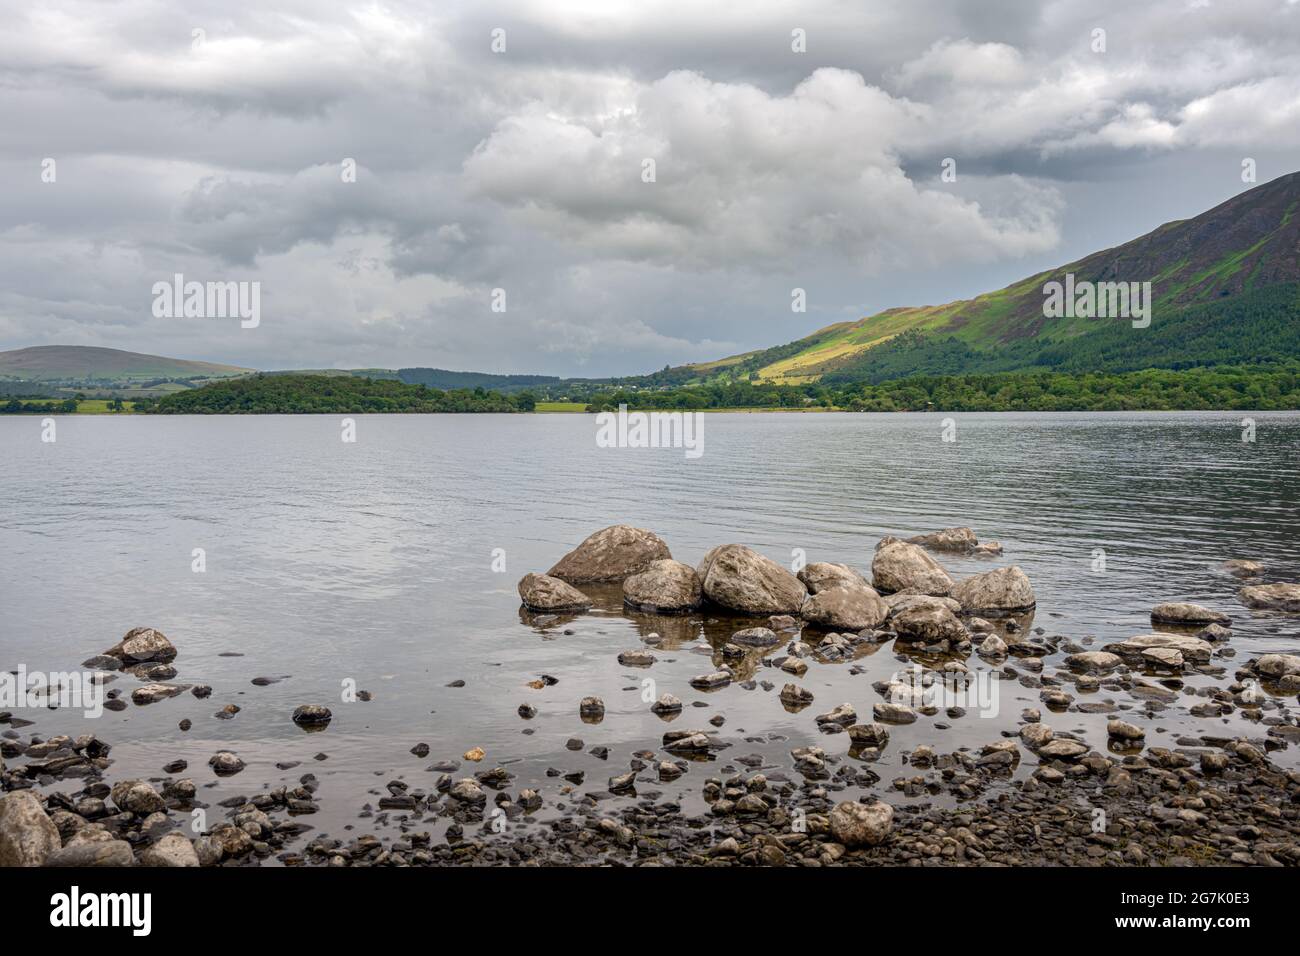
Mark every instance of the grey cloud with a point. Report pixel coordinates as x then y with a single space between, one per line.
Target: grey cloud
522 170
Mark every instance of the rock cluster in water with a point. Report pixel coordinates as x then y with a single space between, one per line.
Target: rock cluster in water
1208 797
907 586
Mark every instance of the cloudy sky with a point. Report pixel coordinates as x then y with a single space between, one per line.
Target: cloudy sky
209 138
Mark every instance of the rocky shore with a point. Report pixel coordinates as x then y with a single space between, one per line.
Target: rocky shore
1037 792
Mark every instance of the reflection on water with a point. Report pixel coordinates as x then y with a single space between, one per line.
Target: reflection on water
372 563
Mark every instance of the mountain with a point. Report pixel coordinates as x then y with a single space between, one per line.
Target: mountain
1225 287
81 363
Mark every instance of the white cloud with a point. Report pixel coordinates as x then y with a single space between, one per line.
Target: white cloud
522 170
746 179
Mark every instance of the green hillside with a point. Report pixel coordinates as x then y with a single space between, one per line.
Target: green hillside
1223 288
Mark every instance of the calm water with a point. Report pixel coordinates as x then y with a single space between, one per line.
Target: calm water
372 561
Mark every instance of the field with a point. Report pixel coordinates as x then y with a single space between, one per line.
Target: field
89 406
561 407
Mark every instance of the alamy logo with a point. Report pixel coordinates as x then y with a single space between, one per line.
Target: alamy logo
1098 300
653 430
76 690
73 909
179 299
917 687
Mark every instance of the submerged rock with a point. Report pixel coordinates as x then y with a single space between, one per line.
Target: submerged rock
954 540
1273 597
665 587
611 554
738 577
1176 612
794 694
1243 569
541 592
756 637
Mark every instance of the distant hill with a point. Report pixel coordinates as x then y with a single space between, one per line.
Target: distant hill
439 378
82 363
1225 288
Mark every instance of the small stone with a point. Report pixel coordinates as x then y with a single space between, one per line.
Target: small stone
312 715
172 849
1122 730
224 763
666 704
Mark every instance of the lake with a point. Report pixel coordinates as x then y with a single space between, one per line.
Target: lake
373 562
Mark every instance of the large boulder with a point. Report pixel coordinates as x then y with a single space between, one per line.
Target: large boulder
611 554
1273 597
845 608
1278 665
861 824
1180 612
927 624
739 578
1192 648
27 834
665 587
541 592
822 575
954 540
1000 591
899 566
141 645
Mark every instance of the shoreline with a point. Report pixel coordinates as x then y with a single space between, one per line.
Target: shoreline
1038 791
747 410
